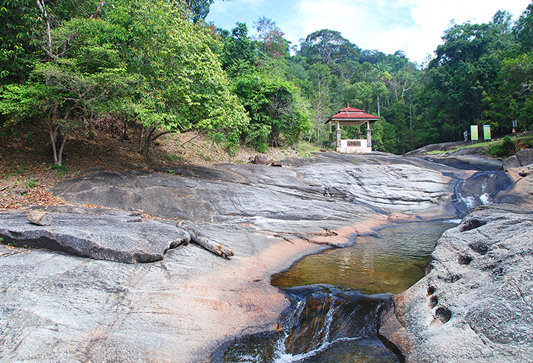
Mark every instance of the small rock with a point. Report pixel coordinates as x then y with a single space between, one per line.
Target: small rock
39 218
262 160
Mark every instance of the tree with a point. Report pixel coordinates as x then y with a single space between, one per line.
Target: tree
270 38
275 109
523 29
141 61
465 73
65 90
327 46
239 54
194 10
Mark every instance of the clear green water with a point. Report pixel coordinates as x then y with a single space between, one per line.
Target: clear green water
335 298
389 264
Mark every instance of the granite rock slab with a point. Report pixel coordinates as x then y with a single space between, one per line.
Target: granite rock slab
476 302
121 238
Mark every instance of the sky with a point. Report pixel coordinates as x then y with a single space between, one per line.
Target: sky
413 26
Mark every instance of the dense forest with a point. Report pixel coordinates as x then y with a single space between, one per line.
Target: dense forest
157 67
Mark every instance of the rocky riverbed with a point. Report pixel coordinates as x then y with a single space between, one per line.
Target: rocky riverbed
476 302
187 301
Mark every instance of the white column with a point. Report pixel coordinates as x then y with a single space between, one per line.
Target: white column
338 135
368 135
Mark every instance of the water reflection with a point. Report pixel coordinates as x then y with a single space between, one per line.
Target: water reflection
335 299
388 264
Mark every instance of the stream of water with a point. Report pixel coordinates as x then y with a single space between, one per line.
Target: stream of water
336 295
335 299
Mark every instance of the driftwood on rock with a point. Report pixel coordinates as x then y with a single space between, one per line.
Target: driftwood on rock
215 247
39 218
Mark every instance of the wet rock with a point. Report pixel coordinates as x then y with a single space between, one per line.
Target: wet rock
480 189
102 237
475 303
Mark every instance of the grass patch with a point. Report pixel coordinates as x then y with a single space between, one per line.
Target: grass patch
61 169
170 157
436 152
305 148
30 184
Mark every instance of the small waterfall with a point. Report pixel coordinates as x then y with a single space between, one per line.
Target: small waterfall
323 324
479 189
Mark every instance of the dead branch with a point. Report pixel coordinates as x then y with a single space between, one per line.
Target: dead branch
97 12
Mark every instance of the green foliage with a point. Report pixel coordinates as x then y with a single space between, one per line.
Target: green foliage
384 137
277 117
239 54
527 141
30 184
141 62
155 64
61 169
506 148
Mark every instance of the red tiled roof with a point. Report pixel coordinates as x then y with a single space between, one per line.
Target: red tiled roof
350 113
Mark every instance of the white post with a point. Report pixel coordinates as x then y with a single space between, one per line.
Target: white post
338 135
368 135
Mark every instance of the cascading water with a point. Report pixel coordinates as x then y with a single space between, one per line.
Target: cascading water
480 189
337 322
321 322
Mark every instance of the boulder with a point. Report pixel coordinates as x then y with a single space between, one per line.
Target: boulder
525 157
237 192
475 303
262 160
511 162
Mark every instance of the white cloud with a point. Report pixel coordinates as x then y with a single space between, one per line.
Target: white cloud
414 26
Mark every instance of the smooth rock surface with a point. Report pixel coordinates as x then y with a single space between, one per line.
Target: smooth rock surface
125 239
57 307
328 187
476 302
525 157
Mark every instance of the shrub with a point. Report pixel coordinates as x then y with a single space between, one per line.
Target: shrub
506 148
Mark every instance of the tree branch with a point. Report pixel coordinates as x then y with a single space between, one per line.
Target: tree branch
42 7
97 12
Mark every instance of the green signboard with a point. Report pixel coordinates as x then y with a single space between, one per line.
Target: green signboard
473 133
486 132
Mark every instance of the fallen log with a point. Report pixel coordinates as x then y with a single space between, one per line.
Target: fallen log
39 218
212 246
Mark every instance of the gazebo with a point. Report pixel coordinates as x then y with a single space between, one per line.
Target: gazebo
352 117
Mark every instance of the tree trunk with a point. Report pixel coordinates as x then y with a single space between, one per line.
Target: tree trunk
53 139
48 49
144 146
209 245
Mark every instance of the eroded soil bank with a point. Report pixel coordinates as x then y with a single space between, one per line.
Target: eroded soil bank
56 306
